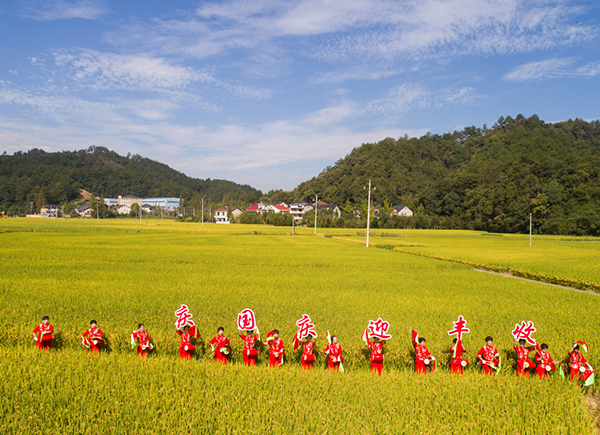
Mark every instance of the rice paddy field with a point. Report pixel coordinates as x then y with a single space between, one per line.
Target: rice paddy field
78 270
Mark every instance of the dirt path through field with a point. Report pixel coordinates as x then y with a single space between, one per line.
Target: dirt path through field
508 275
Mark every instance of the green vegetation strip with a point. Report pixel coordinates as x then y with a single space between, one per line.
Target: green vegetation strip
535 276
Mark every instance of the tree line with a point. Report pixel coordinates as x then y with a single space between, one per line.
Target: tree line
487 179
34 178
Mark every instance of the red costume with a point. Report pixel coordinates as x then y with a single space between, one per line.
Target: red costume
307 355
376 348
186 348
457 363
249 353
142 343
92 339
523 364
43 336
491 358
577 362
334 350
276 352
545 363
220 345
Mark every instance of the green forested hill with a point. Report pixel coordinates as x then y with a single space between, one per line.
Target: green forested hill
101 171
479 178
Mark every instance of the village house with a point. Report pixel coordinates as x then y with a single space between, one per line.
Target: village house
166 203
129 200
123 209
111 202
84 210
401 210
298 209
256 208
236 212
334 208
221 216
277 208
148 208
49 211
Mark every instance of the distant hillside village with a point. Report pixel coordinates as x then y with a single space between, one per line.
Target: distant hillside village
297 213
123 205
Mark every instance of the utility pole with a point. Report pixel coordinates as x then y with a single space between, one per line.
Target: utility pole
316 211
202 212
530 225
293 222
368 212
141 215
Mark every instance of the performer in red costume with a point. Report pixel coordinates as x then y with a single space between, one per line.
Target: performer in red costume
141 341
276 350
93 338
489 358
220 346
334 351
524 366
457 363
422 355
42 334
545 363
578 365
308 358
376 348
186 348
249 353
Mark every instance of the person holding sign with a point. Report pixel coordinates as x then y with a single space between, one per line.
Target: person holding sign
140 340
186 329
304 337
276 348
458 363
93 338
308 358
186 348
334 353
522 335
249 353
578 365
423 357
246 321
376 331
545 363
220 346
489 357
524 366
42 334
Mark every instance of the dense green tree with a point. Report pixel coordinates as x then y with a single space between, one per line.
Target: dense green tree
98 169
484 179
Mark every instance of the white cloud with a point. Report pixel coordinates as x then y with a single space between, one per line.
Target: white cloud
401 99
552 69
265 37
233 152
13 71
48 10
87 69
103 71
362 73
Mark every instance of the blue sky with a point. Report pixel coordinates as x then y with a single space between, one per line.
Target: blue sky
270 92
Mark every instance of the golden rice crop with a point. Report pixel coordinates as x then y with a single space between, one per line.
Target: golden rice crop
74 271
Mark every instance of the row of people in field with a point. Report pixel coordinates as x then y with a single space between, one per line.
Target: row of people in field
488 356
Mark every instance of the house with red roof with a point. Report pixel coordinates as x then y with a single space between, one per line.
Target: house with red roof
277 208
256 208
